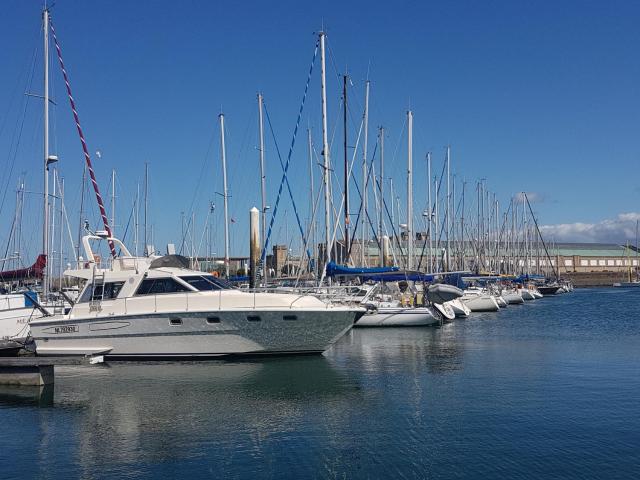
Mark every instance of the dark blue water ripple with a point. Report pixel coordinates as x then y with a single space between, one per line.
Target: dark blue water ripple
550 389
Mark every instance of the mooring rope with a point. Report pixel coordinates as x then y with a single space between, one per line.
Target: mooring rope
87 158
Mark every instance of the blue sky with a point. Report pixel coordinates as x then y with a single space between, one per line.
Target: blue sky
542 97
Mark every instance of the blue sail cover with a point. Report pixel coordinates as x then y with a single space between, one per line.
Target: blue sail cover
333 269
399 276
238 279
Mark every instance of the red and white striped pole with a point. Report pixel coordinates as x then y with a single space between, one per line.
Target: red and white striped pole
87 158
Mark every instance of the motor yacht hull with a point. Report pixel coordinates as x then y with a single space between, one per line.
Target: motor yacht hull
399 317
194 334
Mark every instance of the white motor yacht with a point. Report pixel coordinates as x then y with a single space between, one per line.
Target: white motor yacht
139 307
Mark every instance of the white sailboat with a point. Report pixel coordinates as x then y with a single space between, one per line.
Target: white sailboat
479 300
17 308
512 296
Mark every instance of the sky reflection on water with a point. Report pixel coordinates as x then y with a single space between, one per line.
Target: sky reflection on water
550 389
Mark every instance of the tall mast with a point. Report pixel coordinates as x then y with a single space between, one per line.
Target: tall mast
410 189
448 204
347 240
263 178
479 237
224 195
462 245
60 246
45 226
393 208
452 224
52 219
430 227
364 173
113 202
313 223
636 250
436 223
136 209
381 189
325 153
146 206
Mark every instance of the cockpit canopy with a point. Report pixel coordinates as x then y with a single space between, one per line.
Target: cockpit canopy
168 261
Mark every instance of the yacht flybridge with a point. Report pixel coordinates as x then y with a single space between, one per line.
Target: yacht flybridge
159 307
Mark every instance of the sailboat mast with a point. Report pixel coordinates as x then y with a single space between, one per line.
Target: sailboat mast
325 152
347 240
381 189
463 248
113 202
313 227
224 195
410 189
146 206
430 216
393 208
45 224
448 204
136 210
263 178
365 144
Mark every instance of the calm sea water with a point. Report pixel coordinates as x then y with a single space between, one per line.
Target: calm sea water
550 389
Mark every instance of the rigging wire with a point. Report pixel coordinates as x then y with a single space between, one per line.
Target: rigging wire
293 140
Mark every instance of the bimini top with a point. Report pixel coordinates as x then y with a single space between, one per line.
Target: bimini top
171 261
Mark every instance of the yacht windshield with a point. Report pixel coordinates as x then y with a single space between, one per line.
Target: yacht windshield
205 283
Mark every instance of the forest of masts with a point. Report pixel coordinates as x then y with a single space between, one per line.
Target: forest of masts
356 205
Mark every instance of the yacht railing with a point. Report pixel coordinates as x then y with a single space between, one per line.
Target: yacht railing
195 302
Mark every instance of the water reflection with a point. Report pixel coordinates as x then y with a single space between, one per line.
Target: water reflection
126 413
439 350
15 396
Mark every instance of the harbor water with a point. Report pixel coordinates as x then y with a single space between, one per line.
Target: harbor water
549 389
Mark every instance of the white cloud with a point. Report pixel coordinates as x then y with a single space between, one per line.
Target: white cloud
619 230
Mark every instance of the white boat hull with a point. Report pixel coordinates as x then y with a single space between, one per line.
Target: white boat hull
398 317
15 317
527 294
513 298
459 308
481 303
193 334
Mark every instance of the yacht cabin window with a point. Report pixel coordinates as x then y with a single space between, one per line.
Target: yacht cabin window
100 291
152 286
205 283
